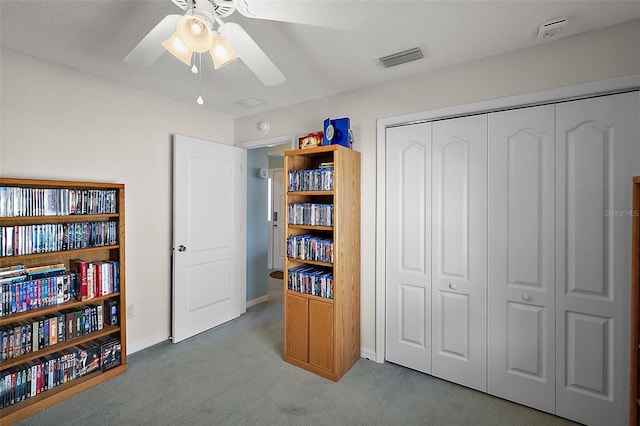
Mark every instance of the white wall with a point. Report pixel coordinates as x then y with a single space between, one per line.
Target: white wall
599 55
57 123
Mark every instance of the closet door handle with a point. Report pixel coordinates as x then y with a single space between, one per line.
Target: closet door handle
452 286
182 248
526 297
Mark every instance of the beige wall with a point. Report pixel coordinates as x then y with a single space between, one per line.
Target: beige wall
600 55
61 124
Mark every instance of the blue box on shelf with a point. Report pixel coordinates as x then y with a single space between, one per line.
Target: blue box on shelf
337 132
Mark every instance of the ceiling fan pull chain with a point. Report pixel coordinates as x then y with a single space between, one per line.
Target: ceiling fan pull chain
200 101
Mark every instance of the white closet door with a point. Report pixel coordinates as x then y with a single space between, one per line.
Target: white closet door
408 246
521 256
597 154
459 250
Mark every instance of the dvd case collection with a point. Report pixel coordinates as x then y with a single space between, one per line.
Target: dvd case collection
45 238
311 280
41 332
320 179
24 288
18 201
311 214
32 378
310 247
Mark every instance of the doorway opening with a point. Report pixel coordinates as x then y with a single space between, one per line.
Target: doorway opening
265 215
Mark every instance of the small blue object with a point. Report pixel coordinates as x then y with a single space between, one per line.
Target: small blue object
337 132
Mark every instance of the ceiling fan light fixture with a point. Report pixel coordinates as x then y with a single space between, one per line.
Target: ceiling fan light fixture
177 48
221 52
193 31
196 27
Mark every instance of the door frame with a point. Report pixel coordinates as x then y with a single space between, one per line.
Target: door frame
605 87
289 138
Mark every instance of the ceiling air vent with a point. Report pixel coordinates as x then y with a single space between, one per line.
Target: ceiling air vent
249 102
401 57
552 28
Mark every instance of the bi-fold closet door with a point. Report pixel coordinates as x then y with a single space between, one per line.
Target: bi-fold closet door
521 256
549 327
558 255
435 248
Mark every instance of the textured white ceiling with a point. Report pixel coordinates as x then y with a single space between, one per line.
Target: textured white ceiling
94 36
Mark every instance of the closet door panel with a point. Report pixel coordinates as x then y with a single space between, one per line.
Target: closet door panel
408 246
521 255
598 152
459 251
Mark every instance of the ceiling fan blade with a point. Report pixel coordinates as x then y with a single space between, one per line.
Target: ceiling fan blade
344 14
251 54
148 50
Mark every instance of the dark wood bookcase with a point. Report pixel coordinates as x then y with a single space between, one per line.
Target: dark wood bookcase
10 414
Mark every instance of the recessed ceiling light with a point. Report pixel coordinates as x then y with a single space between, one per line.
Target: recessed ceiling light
249 102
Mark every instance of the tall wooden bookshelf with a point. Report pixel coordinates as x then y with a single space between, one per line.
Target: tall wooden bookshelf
634 382
322 332
105 252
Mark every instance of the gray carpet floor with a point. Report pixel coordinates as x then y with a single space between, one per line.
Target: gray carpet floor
234 375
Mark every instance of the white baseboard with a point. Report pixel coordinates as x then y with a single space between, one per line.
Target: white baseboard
138 346
257 300
368 354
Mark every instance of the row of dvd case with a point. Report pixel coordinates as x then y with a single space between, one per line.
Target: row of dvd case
44 238
40 375
311 180
312 214
311 280
310 247
19 201
41 332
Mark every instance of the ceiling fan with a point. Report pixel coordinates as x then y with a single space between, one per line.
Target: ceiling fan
202 29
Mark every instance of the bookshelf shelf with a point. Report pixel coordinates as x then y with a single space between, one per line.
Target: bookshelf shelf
13 318
309 296
43 257
308 193
107 330
322 335
34 220
35 196
311 227
309 262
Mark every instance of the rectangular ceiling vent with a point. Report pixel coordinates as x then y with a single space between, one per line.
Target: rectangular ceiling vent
401 57
248 102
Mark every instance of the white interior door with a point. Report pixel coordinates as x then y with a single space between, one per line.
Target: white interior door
277 219
209 244
598 152
459 250
521 257
408 246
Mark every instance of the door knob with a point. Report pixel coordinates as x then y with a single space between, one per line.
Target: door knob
182 248
452 286
526 297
